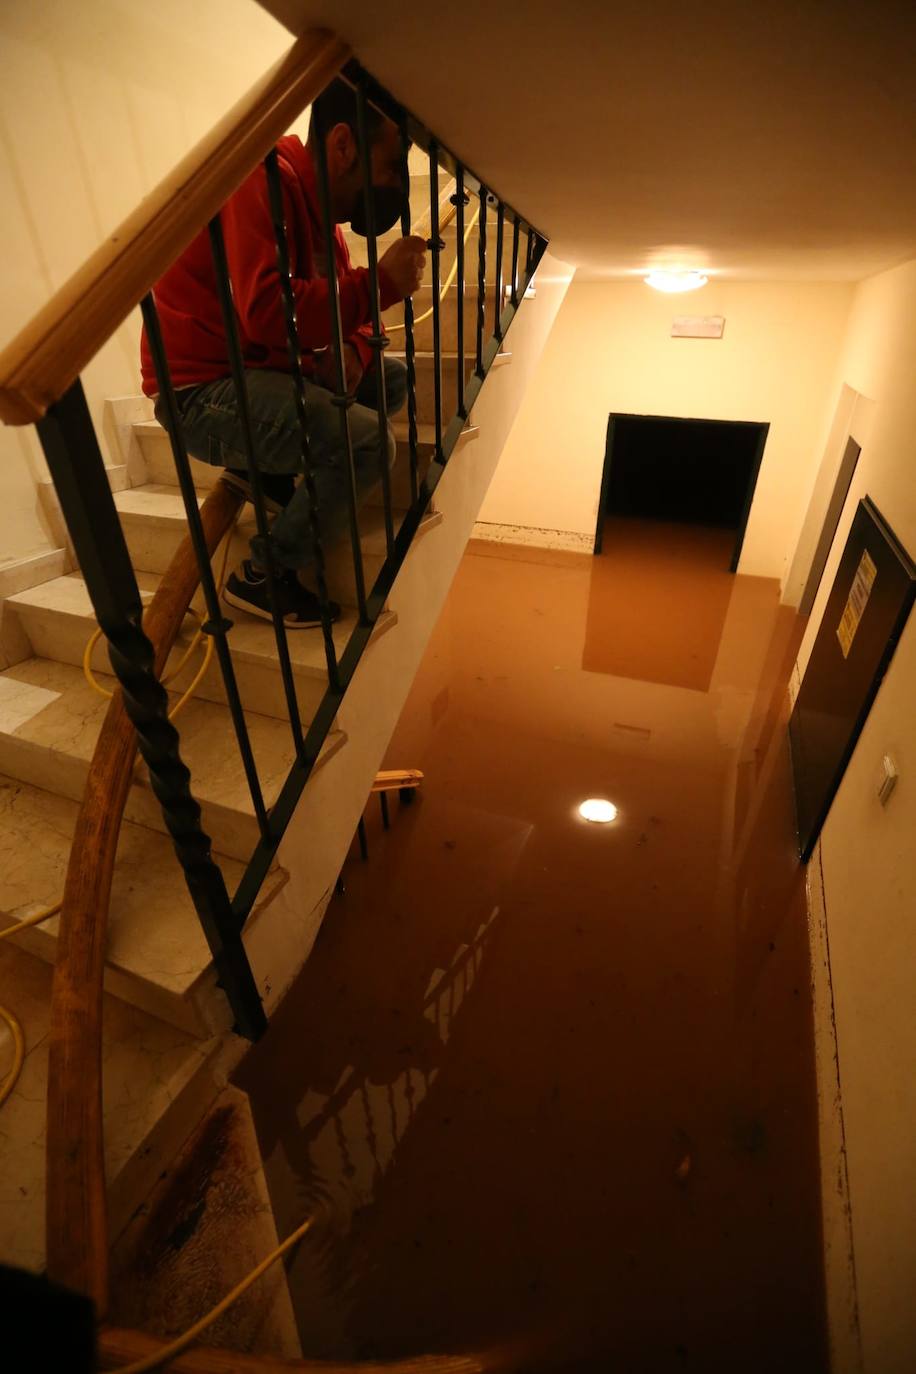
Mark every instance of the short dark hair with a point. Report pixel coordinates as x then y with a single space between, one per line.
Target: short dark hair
337 105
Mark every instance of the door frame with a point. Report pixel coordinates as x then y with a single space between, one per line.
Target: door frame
763 428
852 451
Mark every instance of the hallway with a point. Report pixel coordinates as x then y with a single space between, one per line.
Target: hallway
550 1085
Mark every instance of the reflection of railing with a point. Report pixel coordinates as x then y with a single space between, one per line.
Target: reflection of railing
441 1005
351 1140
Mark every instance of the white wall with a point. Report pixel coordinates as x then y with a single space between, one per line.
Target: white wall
867 862
98 100
611 350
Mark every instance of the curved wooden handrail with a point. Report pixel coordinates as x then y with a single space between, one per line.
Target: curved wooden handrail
76 1214
118 1347
50 353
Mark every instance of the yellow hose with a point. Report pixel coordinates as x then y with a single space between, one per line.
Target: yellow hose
392 328
168 1352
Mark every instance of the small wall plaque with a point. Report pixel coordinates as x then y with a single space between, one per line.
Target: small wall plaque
698 326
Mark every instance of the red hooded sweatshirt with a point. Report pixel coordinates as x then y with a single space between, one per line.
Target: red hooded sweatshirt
188 303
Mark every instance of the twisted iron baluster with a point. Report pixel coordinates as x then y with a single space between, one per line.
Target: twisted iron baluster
378 339
515 236
497 331
460 200
78 472
409 345
481 279
341 398
275 195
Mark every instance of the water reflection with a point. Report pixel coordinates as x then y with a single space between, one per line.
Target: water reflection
553 1082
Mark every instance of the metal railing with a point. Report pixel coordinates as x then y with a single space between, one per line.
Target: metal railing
77 469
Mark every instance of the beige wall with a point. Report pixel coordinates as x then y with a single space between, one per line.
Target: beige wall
98 100
611 351
867 859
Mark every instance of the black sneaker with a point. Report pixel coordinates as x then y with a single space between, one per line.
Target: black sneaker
278 488
301 609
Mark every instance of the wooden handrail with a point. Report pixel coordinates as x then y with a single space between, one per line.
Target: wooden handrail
76 1213
117 1347
48 355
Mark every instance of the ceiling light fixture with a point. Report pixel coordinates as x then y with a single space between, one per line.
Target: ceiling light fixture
597 810
672 281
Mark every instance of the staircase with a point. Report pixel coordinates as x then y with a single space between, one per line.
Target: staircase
50 718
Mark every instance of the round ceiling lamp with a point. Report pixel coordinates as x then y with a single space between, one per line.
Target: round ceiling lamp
673 281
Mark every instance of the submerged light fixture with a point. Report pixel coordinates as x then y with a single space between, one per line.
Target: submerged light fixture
597 810
675 279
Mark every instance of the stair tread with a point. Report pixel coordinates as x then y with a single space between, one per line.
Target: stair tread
250 638
147 1066
426 432
424 356
49 708
153 931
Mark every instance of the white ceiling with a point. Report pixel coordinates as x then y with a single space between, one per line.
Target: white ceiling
761 139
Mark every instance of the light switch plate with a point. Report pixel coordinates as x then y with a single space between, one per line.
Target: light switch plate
889 777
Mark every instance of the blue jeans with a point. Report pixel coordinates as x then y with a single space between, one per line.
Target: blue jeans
213 434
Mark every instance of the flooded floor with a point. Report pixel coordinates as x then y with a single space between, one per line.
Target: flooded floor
549 1084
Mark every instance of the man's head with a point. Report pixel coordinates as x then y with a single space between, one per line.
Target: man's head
334 112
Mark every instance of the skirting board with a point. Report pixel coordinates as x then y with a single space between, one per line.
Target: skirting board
527 534
839 1255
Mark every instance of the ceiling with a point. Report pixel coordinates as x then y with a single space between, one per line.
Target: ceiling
758 140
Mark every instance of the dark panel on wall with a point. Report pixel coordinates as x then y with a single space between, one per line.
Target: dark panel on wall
831 520
866 611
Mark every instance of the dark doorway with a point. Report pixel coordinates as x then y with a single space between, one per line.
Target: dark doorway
698 472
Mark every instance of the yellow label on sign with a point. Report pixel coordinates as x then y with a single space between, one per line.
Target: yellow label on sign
859 593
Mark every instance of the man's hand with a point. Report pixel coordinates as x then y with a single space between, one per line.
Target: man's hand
326 369
404 262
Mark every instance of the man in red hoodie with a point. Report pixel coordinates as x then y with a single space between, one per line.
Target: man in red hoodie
189 310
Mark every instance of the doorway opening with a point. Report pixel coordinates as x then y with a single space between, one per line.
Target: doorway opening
695 472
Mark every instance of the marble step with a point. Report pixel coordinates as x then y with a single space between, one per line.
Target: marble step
448 319
157 1080
400 473
154 524
425 374
156 955
58 620
49 723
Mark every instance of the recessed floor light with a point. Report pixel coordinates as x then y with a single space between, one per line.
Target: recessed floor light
597 810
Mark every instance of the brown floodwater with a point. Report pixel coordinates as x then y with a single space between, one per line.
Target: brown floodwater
549 1085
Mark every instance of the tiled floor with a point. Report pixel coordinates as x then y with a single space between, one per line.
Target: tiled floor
550 1084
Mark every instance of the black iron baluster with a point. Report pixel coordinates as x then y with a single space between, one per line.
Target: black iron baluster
237 366
529 254
481 278
460 199
409 346
78 472
499 269
435 246
378 339
275 196
342 399
217 625
515 236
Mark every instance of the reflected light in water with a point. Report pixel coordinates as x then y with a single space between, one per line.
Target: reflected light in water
598 810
